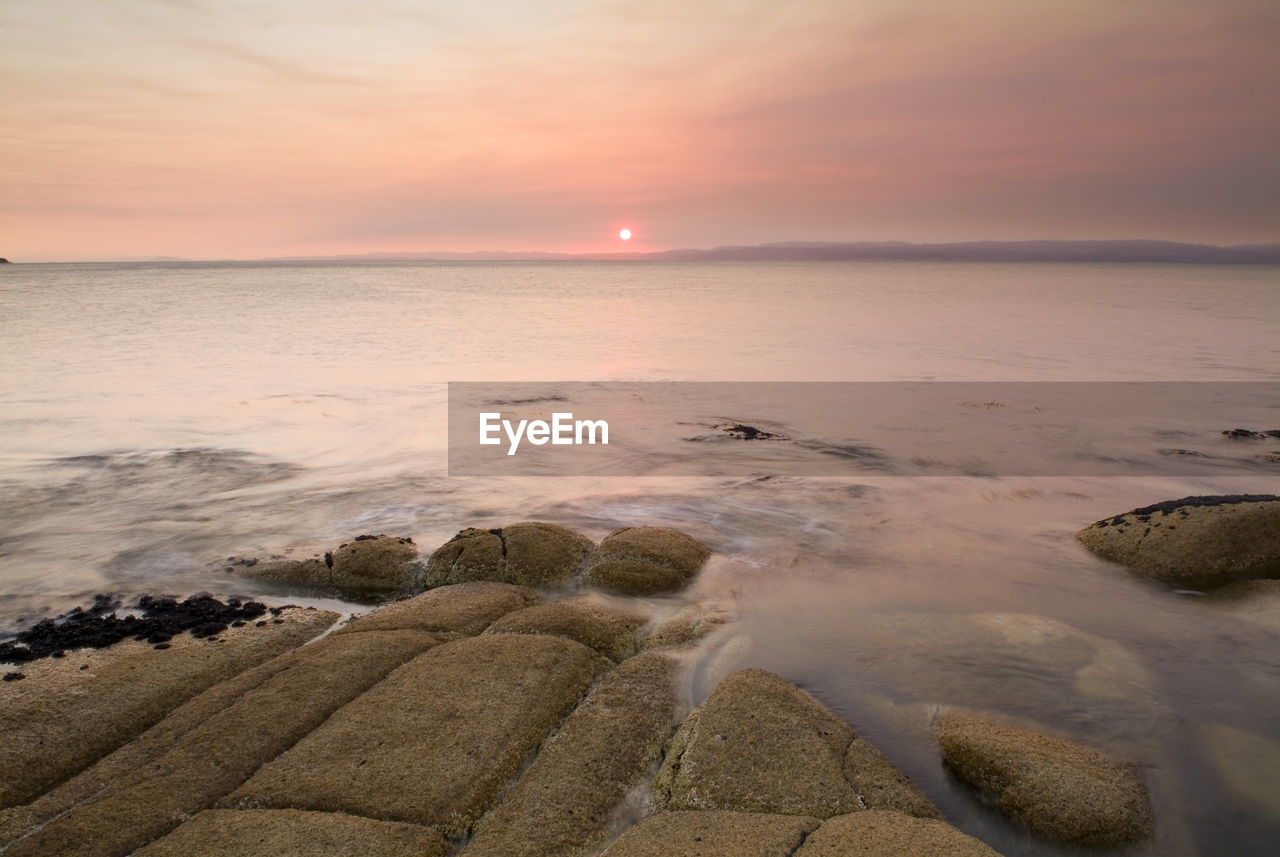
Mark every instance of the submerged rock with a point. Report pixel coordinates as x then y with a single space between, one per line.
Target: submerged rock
528 554
1058 789
1195 541
645 561
1247 764
760 744
713 834
689 626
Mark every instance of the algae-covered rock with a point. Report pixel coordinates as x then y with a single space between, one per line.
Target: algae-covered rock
589 619
882 833
760 744
565 801
645 561
207 762
292 833
1195 541
374 563
438 740
1058 789
528 554
71 711
713 834
464 608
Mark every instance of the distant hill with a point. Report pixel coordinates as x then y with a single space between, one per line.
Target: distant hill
888 251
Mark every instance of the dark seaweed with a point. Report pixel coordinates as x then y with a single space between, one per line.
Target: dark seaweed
98 626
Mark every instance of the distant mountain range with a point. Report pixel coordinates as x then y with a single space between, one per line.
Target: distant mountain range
888 251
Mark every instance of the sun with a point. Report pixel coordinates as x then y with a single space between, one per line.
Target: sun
625 235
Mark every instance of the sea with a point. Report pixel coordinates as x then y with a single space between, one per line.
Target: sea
160 421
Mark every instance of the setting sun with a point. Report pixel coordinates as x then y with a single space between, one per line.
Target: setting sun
625 235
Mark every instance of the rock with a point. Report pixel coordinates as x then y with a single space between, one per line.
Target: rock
465 608
1254 601
71 711
293 572
382 563
565 801
713 834
297 693
687 628
438 740
528 554
881 833
589 619
1058 789
645 561
1247 764
1195 541
760 744
290 833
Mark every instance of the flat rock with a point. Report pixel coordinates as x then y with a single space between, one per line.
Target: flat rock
291 833
1058 789
713 834
760 744
465 608
565 801
439 739
1195 541
528 554
645 561
210 760
883 833
374 563
590 619
68 712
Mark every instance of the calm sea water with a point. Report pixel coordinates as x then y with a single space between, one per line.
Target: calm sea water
156 419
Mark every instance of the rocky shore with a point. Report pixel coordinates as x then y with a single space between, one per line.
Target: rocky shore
531 701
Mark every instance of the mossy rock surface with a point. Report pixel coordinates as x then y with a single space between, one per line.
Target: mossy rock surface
292 833
883 833
713 834
760 744
528 554
206 763
438 740
62 718
590 619
465 608
374 563
1057 788
566 800
645 561
1196 541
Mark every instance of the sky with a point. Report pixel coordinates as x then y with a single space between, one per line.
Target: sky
239 129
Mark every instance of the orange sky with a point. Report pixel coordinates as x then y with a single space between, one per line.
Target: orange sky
236 129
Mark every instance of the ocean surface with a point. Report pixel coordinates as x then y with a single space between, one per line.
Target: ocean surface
157 419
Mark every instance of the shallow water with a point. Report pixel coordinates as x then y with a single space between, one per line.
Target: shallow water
158 419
